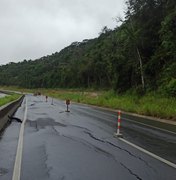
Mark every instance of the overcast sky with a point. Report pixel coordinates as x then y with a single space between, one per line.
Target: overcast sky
30 29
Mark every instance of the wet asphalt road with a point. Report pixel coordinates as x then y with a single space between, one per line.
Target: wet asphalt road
80 145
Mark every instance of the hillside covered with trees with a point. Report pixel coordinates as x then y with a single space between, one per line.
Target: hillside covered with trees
139 55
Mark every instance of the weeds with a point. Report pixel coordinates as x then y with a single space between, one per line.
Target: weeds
8 99
151 104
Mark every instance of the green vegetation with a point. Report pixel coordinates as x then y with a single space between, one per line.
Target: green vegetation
8 99
139 54
136 60
150 104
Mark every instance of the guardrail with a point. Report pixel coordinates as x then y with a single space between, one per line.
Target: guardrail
8 110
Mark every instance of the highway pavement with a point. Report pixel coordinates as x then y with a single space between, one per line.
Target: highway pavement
79 145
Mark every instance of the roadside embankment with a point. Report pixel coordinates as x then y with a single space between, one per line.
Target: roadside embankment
151 104
9 92
9 98
8 110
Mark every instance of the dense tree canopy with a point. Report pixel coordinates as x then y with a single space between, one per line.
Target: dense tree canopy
139 54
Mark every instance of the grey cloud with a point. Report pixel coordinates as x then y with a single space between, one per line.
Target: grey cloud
30 29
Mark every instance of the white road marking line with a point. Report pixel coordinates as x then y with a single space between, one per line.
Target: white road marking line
18 159
149 153
171 132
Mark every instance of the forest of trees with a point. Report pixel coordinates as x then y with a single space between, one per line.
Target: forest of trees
140 55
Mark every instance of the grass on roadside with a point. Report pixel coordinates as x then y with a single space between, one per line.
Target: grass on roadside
8 99
151 104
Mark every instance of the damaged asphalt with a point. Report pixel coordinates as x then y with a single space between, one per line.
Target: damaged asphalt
79 144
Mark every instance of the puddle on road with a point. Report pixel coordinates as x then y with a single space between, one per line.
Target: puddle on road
3 171
43 114
61 111
33 107
43 122
38 101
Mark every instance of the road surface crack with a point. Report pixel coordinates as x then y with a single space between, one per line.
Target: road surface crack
129 153
89 145
107 142
80 127
45 157
131 172
57 132
93 137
